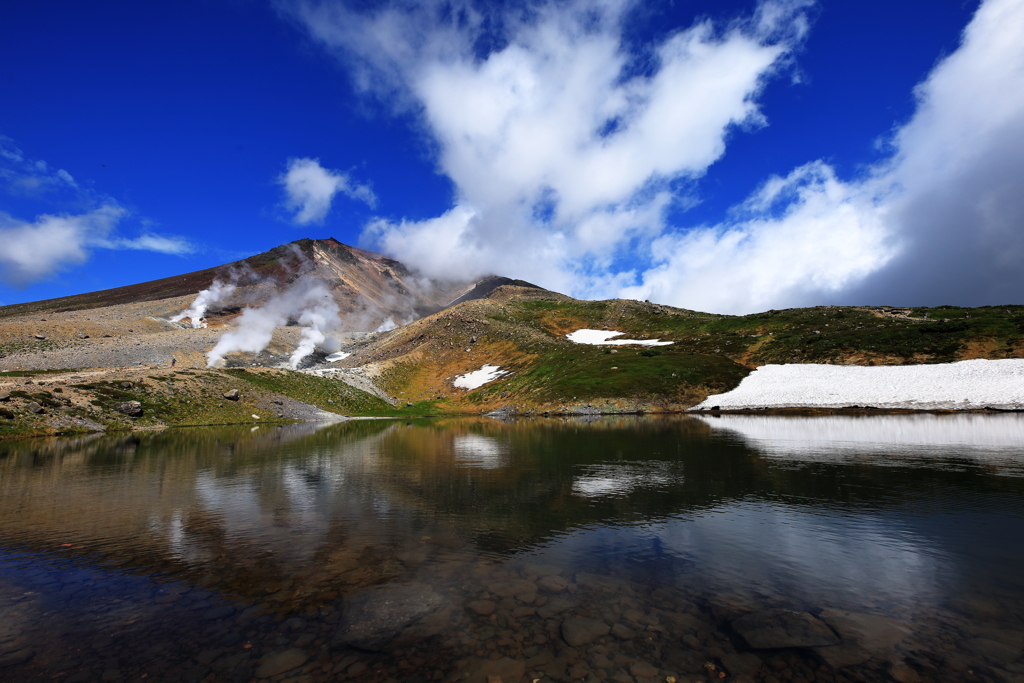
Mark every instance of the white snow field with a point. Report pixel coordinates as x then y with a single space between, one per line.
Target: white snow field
478 378
965 385
604 337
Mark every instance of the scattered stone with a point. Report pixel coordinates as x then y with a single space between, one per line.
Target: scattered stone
599 582
902 673
513 588
487 670
582 630
83 336
553 584
523 612
34 407
482 607
623 632
994 651
781 628
232 395
40 336
643 669
279 662
553 607
741 663
126 385
130 408
219 612
391 615
16 657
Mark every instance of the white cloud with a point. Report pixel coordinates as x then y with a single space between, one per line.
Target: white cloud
310 188
176 246
560 153
565 157
22 176
34 251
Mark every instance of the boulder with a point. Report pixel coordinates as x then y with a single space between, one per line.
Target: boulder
863 636
780 628
40 336
34 407
130 408
126 385
83 336
391 615
4 397
741 663
232 395
482 607
579 631
278 662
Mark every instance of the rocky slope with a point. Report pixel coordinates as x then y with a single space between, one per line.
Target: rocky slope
359 280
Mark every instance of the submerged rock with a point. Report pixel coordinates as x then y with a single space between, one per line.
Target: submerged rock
391 615
279 662
505 670
863 636
581 630
779 628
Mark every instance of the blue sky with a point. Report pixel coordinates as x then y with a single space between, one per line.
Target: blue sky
727 156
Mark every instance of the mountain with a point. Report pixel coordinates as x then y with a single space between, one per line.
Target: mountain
357 278
73 364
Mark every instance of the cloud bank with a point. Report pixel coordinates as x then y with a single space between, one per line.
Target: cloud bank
310 189
566 150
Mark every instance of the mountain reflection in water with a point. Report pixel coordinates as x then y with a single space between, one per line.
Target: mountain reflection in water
663 529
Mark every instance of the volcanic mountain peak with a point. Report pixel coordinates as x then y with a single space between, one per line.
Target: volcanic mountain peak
359 280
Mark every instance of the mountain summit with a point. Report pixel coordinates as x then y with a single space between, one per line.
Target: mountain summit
359 280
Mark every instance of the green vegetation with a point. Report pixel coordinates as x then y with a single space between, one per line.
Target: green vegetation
586 373
824 334
327 394
32 373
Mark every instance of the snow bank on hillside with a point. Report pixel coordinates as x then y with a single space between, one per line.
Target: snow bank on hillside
602 337
969 384
478 378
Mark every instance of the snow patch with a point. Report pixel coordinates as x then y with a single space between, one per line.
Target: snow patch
965 385
604 337
478 378
337 356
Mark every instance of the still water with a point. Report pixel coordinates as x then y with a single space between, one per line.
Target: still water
626 549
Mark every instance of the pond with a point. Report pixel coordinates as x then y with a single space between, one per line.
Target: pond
626 549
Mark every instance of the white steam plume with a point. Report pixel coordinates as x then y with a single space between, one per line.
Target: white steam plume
217 293
307 300
316 321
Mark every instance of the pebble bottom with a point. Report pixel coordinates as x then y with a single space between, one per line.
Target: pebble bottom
80 626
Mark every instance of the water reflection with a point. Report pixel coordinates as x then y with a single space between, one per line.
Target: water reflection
670 527
996 440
